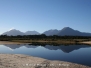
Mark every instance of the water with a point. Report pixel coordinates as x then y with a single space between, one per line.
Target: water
80 54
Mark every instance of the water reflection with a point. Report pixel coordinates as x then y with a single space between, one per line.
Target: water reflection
66 49
80 54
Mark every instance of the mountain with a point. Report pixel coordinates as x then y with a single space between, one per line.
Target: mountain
71 32
13 32
32 33
65 31
68 31
51 32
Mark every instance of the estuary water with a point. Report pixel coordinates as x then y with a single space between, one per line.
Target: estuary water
80 54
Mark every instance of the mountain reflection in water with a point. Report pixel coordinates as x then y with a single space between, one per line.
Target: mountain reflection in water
66 49
80 54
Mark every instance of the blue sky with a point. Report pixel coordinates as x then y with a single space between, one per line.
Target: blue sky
42 15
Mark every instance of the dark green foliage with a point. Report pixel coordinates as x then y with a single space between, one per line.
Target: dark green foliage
42 37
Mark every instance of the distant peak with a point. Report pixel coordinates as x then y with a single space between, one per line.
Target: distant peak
67 28
52 29
13 30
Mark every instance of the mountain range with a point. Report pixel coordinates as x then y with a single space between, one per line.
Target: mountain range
65 31
15 32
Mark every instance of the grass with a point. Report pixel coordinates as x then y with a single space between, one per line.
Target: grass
61 41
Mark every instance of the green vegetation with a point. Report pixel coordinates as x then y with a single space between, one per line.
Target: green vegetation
45 39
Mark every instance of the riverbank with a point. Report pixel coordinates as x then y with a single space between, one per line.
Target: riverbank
45 39
25 61
34 42
87 42
42 42
8 42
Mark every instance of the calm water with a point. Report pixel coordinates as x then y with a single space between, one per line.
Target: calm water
73 53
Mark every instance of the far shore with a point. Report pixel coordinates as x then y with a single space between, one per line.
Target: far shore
25 61
30 42
43 42
8 42
43 39
87 42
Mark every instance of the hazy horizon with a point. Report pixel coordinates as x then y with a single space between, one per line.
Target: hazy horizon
42 15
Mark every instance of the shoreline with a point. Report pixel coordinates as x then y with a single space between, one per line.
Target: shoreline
16 42
87 42
8 42
33 42
26 61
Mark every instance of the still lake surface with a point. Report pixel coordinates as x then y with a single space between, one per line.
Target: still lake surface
80 54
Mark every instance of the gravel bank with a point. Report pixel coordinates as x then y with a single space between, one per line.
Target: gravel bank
25 61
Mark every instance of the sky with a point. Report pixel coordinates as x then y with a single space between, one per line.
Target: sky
42 15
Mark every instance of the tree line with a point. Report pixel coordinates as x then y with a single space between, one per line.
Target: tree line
42 37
